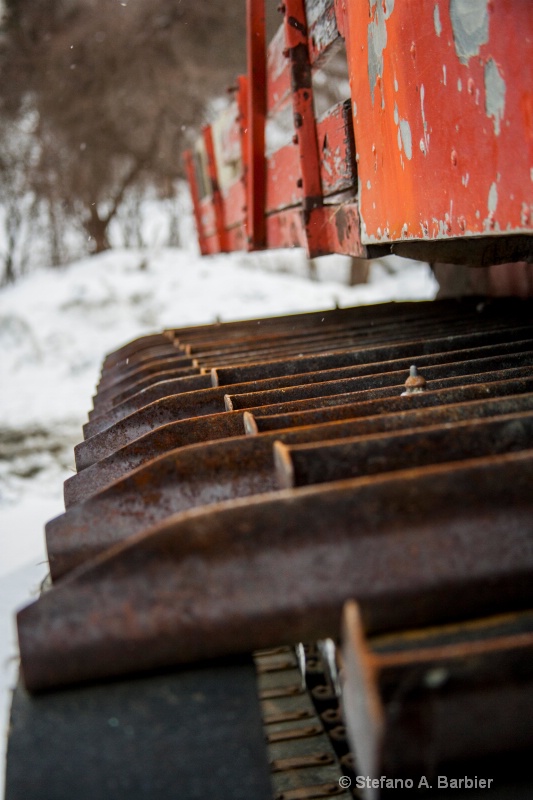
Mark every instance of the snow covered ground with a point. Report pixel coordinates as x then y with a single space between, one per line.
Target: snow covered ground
55 328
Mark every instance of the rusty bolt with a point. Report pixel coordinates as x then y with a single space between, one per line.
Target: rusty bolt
299 183
286 52
462 224
232 89
282 8
415 383
295 139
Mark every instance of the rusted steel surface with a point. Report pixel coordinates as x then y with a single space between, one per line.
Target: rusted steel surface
150 394
165 437
207 473
424 698
304 464
143 342
373 382
171 387
180 543
270 418
141 356
400 544
386 393
106 395
130 373
104 403
101 474
212 401
361 355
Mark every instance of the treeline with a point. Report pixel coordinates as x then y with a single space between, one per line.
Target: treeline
97 101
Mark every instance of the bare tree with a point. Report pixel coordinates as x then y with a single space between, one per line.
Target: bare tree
116 87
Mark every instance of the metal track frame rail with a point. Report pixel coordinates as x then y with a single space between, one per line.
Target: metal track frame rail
382 455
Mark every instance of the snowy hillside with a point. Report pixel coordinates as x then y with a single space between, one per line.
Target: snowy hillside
55 328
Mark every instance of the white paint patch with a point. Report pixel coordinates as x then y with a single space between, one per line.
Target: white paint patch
424 121
470 23
493 198
405 130
396 114
377 42
395 84
465 179
422 146
444 74
436 20
368 185
354 108
459 85
494 94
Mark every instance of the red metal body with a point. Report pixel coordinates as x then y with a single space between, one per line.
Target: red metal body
430 155
443 116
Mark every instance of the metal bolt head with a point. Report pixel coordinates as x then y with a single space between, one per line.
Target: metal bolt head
415 383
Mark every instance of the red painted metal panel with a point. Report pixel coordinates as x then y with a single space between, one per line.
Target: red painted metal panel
340 15
443 116
234 198
337 162
282 176
211 244
207 216
337 157
343 227
256 113
304 121
278 75
236 238
188 159
335 226
242 104
216 198
286 229
322 28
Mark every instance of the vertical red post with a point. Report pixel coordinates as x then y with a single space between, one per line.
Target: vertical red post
216 195
296 40
242 105
255 151
190 171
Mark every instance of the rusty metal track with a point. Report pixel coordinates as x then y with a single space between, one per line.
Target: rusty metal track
237 502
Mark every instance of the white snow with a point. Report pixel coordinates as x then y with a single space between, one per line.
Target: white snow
56 326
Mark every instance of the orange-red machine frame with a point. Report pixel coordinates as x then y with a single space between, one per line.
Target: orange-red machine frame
431 155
